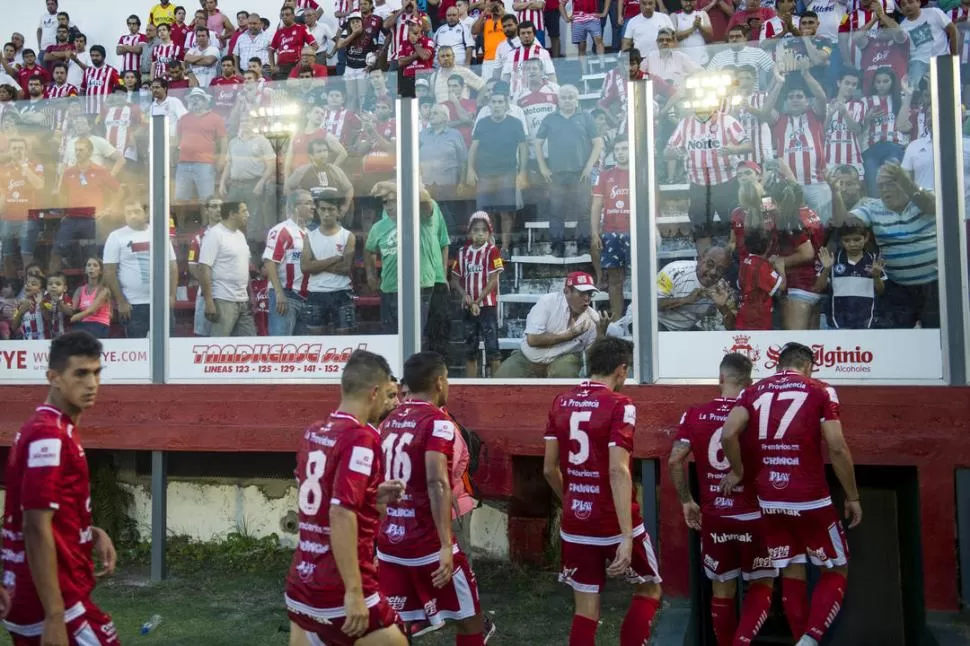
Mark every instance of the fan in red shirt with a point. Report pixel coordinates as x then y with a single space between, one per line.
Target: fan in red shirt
60 51
589 447
732 537
30 69
415 57
423 571
225 87
760 281
610 224
287 45
308 61
50 544
782 421
332 588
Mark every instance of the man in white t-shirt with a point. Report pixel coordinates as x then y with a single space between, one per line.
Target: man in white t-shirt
931 33
641 30
224 274
689 290
323 34
203 58
104 154
918 160
456 35
559 329
127 270
47 30
694 31
164 105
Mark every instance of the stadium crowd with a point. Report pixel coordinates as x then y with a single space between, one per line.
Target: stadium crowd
802 197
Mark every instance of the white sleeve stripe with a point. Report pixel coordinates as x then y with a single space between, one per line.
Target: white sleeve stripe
775 288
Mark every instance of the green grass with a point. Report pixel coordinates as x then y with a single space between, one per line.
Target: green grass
207 603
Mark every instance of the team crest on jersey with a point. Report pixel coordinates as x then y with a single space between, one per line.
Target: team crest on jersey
742 345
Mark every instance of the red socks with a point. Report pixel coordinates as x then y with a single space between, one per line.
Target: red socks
470 640
725 619
754 612
583 632
635 630
826 603
794 597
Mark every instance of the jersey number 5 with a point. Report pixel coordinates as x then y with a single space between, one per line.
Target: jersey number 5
398 464
763 406
311 493
578 435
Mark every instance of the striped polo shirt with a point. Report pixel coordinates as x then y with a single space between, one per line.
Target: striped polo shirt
907 240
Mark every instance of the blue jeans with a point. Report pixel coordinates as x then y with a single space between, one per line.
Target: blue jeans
22 233
873 159
194 181
284 325
389 312
98 330
139 323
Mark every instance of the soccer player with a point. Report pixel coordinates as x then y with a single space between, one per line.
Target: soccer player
49 541
422 569
792 414
732 538
594 424
332 589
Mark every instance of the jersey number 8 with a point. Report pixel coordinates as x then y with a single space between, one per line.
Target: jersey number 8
311 493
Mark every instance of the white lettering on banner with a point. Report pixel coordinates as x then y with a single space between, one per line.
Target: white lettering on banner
44 453
846 356
123 360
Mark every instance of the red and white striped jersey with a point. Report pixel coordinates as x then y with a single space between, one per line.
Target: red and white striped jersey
97 84
883 126
852 22
799 140
474 267
284 246
33 325
195 246
960 17
535 16
120 123
400 33
131 61
342 124
756 130
307 4
704 142
162 55
774 26
344 6
514 65
54 91
841 143
59 318
537 106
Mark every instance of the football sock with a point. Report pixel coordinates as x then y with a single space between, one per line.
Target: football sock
754 612
583 632
826 603
635 630
794 597
470 640
725 619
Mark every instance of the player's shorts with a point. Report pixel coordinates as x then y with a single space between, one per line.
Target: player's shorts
732 547
407 584
584 563
616 250
87 625
794 536
324 626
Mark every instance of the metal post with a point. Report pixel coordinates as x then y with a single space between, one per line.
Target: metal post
951 227
640 121
649 509
963 532
159 176
408 194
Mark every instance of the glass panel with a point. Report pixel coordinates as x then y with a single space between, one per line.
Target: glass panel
278 196
74 228
784 214
511 154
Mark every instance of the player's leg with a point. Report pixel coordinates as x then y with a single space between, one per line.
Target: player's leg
472 337
724 614
586 618
722 565
644 574
794 597
391 636
758 570
298 636
754 610
787 554
828 548
583 570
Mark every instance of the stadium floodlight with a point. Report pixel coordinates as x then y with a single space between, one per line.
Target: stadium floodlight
707 90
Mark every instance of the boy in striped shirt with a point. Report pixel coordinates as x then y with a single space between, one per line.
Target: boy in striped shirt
475 275
853 278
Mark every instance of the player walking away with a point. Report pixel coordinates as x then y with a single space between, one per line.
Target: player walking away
732 537
601 521
791 413
48 537
332 590
423 571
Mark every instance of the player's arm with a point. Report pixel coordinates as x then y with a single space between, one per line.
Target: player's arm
676 464
439 495
736 422
42 559
841 459
343 543
621 484
550 467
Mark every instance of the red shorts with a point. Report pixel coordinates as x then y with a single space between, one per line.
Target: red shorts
87 625
584 561
407 584
792 535
325 625
733 547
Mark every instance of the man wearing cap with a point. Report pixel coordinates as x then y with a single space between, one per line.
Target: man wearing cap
559 329
202 142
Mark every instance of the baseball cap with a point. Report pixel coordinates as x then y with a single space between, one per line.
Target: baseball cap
200 93
581 281
750 164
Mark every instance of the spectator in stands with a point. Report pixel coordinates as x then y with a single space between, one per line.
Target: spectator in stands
60 51
202 146
47 29
415 57
287 45
165 52
281 259
492 69
247 177
903 222
843 123
359 39
847 187
200 20
308 61
254 43
447 70
145 60
667 63
781 26
444 158
93 302
328 258
131 45
211 213
224 269
165 105
203 59
690 290
559 329
21 189
739 53
887 125
127 270
323 34
641 30
456 36
31 320
693 30
162 13
218 22
434 274
242 22
610 225
760 282
382 242
852 278
60 88
931 33
567 147
513 71
225 87
320 173
918 159
29 70
342 123
103 152
752 17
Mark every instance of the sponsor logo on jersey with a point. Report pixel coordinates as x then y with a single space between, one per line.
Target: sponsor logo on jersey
742 345
44 453
431 608
581 508
10 556
362 460
109 630
581 403
305 570
443 429
397 603
781 511
761 563
727 538
394 532
583 488
630 414
397 512
710 563
567 574
704 144
779 480
818 554
781 461
313 528
86 535
723 503
9 580
312 547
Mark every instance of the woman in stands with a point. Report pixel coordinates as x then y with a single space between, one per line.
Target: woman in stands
93 301
886 125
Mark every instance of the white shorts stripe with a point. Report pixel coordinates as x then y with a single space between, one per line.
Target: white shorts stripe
579 587
651 557
800 506
795 560
430 559
840 560
313 639
325 615
601 541
36 630
759 574
754 515
85 636
463 590
727 576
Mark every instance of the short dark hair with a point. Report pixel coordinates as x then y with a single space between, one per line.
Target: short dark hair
853 226
363 371
795 355
228 208
757 240
72 344
202 30
736 367
809 14
60 64
851 71
738 27
98 48
255 59
607 354
162 82
177 9
228 58
526 24
634 54
28 50
329 196
64 13
512 17
421 369
135 18
317 143
58 275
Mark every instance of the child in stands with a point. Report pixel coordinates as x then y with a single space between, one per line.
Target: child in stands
31 320
475 274
759 282
58 304
853 278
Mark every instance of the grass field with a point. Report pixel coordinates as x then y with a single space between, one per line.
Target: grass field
210 606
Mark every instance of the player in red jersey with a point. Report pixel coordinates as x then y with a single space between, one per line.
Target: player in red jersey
786 417
732 538
48 539
423 571
594 425
332 589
